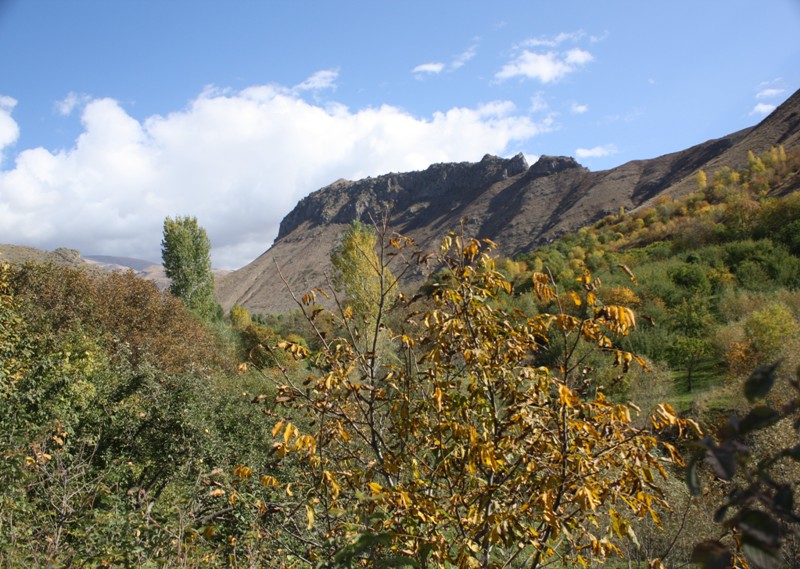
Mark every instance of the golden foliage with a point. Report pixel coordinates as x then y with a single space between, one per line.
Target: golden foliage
452 429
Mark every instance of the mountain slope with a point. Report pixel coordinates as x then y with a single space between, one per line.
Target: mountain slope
503 199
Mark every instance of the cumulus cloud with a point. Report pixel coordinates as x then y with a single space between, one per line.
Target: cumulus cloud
597 151
546 67
763 109
238 160
578 108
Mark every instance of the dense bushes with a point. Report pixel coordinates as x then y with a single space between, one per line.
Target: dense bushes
117 407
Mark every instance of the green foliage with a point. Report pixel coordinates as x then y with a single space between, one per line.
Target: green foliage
111 421
360 272
240 317
769 328
186 253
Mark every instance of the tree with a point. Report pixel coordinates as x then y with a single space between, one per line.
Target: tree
185 250
358 271
455 446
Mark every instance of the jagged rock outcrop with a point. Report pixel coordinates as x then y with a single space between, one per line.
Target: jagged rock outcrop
513 204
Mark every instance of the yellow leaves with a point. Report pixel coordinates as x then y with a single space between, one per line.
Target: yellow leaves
567 323
542 287
619 319
447 243
287 433
293 440
242 472
471 250
587 499
375 488
665 416
216 492
488 458
309 516
298 351
330 481
311 296
437 398
576 299
269 481
567 397
624 359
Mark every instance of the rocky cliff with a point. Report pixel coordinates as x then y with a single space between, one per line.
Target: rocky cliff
514 204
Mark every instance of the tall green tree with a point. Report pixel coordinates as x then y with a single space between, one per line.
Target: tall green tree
186 253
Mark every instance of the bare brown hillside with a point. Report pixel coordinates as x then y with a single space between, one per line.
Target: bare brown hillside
506 200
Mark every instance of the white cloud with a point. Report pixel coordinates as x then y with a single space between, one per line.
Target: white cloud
436 67
432 68
238 160
578 108
555 40
65 106
577 56
769 93
763 109
9 130
546 67
462 58
325 79
597 151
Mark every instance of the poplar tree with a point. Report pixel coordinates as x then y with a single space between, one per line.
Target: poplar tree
186 254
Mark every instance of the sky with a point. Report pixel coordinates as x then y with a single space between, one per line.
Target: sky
117 114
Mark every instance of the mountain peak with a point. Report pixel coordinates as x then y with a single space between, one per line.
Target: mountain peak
547 165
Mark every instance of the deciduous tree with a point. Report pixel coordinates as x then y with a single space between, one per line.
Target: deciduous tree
454 446
186 252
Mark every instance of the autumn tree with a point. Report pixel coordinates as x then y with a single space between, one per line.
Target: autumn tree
454 446
186 253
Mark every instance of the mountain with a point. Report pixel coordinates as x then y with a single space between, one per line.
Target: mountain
120 263
516 205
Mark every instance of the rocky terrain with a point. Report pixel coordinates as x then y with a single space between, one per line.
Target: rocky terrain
515 204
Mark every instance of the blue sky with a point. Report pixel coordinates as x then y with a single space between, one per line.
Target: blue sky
115 114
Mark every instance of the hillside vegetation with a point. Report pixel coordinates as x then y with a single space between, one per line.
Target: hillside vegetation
511 413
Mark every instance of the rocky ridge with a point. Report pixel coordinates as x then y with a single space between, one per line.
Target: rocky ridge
514 204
